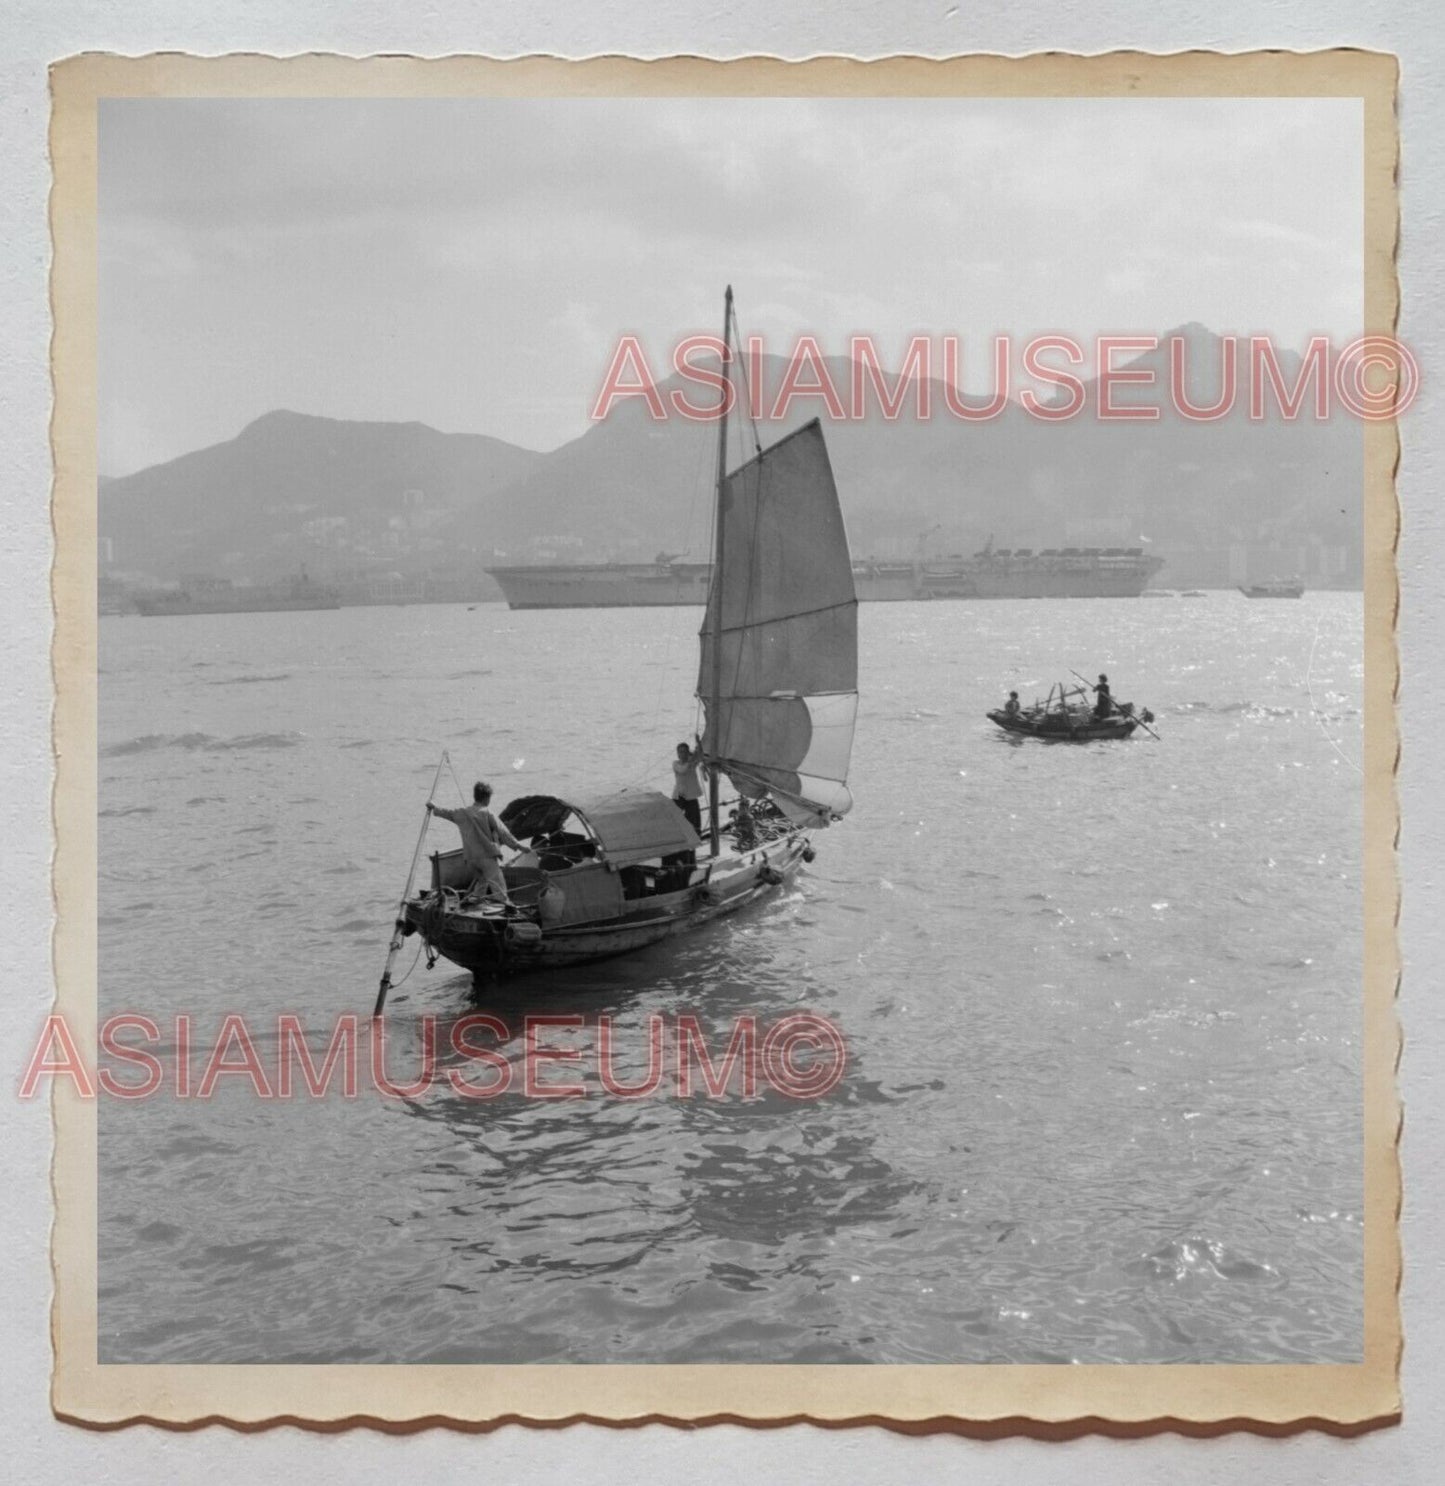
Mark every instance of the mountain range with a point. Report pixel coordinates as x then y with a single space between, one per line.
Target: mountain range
352 499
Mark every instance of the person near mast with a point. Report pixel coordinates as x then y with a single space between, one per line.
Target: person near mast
1103 702
483 837
686 786
1011 707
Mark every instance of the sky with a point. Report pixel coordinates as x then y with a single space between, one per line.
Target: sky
471 263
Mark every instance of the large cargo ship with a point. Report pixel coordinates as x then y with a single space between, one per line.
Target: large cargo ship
221 596
1021 573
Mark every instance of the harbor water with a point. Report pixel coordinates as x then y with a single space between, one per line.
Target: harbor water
1101 1004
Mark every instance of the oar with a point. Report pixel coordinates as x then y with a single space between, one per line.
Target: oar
1139 720
398 932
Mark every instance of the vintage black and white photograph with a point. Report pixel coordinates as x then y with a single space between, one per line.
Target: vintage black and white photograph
732 729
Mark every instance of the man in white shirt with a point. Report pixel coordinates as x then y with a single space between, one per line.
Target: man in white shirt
686 786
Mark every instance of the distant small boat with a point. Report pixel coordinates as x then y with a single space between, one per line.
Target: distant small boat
1057 719
1276 588
1193 593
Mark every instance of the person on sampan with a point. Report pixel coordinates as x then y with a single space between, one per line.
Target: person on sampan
1011 707
483 837
1103 702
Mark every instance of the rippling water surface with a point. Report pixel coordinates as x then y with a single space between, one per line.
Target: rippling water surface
1101 1004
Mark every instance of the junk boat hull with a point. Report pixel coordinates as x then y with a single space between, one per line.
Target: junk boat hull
497 943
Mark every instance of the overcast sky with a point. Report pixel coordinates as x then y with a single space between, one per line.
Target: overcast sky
471 263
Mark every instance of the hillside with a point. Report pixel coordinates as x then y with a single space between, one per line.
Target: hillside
292 489
1220 501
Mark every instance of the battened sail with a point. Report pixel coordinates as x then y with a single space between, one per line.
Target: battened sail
787 638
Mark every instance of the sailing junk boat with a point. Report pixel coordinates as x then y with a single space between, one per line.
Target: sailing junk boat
608 873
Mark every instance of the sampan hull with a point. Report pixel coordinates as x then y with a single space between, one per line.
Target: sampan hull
1093 731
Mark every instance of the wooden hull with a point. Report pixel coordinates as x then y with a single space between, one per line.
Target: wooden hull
1093 731
493 944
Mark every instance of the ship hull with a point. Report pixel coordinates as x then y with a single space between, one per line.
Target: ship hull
604 586
987 576
219 596
269 606
995 581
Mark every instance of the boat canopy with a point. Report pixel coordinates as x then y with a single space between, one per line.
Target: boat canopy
782 626
631 826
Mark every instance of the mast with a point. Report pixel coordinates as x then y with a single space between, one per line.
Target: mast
714 709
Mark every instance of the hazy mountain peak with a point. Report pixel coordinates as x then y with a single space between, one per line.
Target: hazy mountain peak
286 421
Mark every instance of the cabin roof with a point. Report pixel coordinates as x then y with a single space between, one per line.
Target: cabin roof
630 826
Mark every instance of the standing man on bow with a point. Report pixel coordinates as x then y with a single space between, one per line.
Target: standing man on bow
483 837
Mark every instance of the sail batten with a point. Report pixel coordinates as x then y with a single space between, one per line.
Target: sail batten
780 638
788 618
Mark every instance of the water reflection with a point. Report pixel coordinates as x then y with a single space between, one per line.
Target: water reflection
671 1199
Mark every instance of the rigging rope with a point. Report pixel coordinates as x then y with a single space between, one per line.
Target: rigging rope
752 575
747 388
415 960
462 797
670 631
